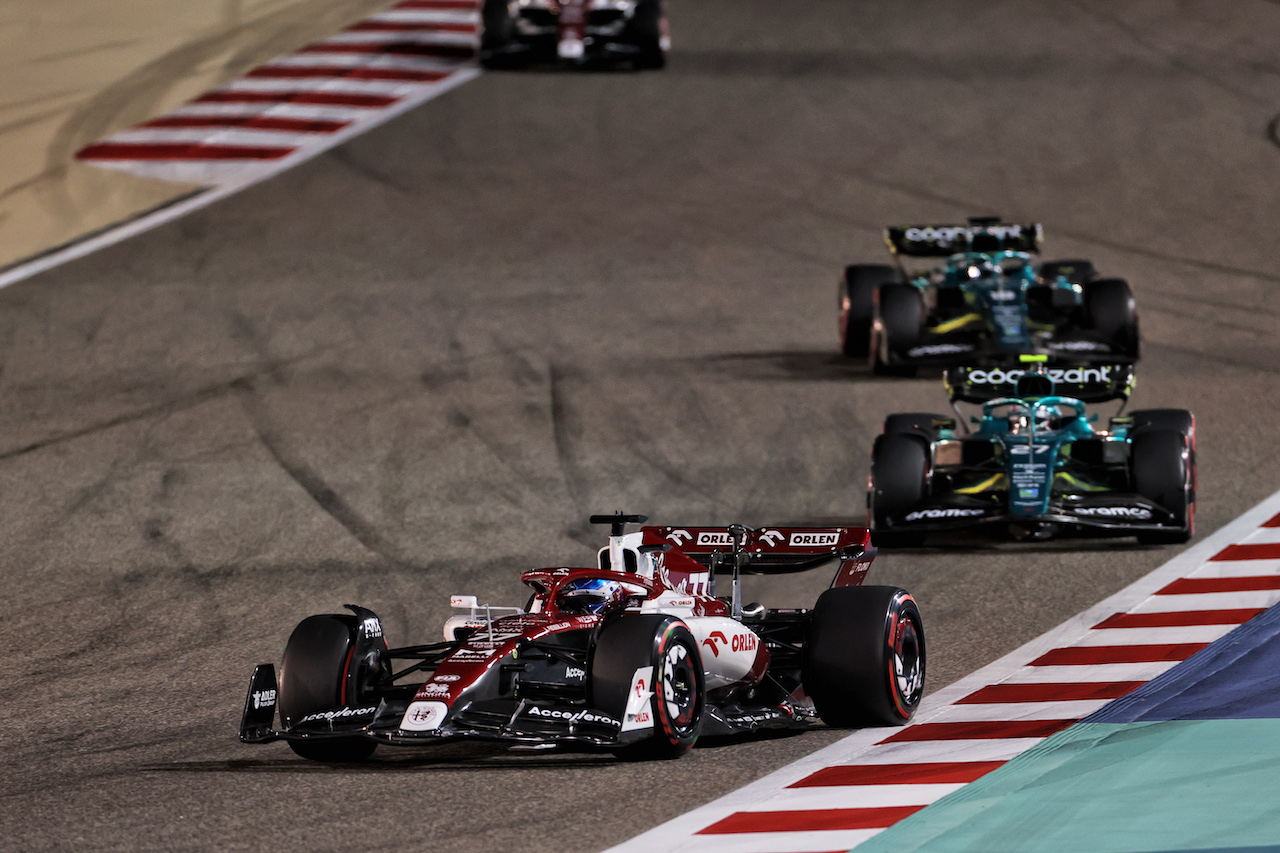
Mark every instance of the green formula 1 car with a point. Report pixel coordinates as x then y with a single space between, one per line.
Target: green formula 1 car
975 294
1036 464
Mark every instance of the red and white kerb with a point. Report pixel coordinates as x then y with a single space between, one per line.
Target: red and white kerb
298 105
852 790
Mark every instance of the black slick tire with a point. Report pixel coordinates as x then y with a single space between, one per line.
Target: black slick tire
856 298
313 675
914 423
899 472
864 656
646 35
633 642
1110 312
1075 270
900 313
1164 473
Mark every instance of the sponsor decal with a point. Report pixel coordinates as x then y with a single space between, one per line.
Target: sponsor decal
1029 474
1028 493
940 349
446 678
424 716
947 235
742 642
639 714
575 672
1002 295
471 654
264 698
755 717
1060 375
772 537
572 716
710 642
371 627
715 539
1079 346
679 536
1137 512
814 540
943 513
433 688
1024 449
341 714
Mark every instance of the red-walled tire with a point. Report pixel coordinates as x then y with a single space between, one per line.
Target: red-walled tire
864 658
679 692
312 676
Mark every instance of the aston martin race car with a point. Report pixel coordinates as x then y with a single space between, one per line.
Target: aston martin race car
986 301
637 654
520 32
1036 465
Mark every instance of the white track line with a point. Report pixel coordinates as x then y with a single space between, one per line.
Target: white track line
237 179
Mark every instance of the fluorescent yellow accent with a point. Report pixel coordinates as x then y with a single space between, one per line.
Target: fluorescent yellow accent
1079 484
952 325
987 485
1026 358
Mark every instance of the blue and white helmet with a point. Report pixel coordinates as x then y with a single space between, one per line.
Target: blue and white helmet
591 595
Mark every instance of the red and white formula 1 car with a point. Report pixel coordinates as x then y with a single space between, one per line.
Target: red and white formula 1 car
520 32
637 654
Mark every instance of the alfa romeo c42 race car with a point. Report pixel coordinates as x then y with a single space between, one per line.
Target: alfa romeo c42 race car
987 301
1035 464
520 32
636 654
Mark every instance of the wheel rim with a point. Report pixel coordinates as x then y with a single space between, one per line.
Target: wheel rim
908 664
679 688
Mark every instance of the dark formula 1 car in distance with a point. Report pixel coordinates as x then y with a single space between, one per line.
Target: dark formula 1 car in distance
521 32
986 301
636 654
1035 465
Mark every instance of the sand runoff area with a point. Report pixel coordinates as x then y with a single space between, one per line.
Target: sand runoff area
76 70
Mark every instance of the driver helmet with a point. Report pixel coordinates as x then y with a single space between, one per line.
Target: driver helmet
1020 418
976 268
590 595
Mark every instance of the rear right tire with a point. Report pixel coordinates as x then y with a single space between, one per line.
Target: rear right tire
646 33
914 423
899 484
1110 311
864 656
901 313
857 298
1164 473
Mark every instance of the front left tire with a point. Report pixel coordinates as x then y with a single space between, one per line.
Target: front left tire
678 703
314 676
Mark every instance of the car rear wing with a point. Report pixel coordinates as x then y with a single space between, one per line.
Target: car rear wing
1098 382
939 241
771 550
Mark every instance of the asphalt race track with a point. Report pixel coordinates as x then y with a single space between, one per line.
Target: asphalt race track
413 366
